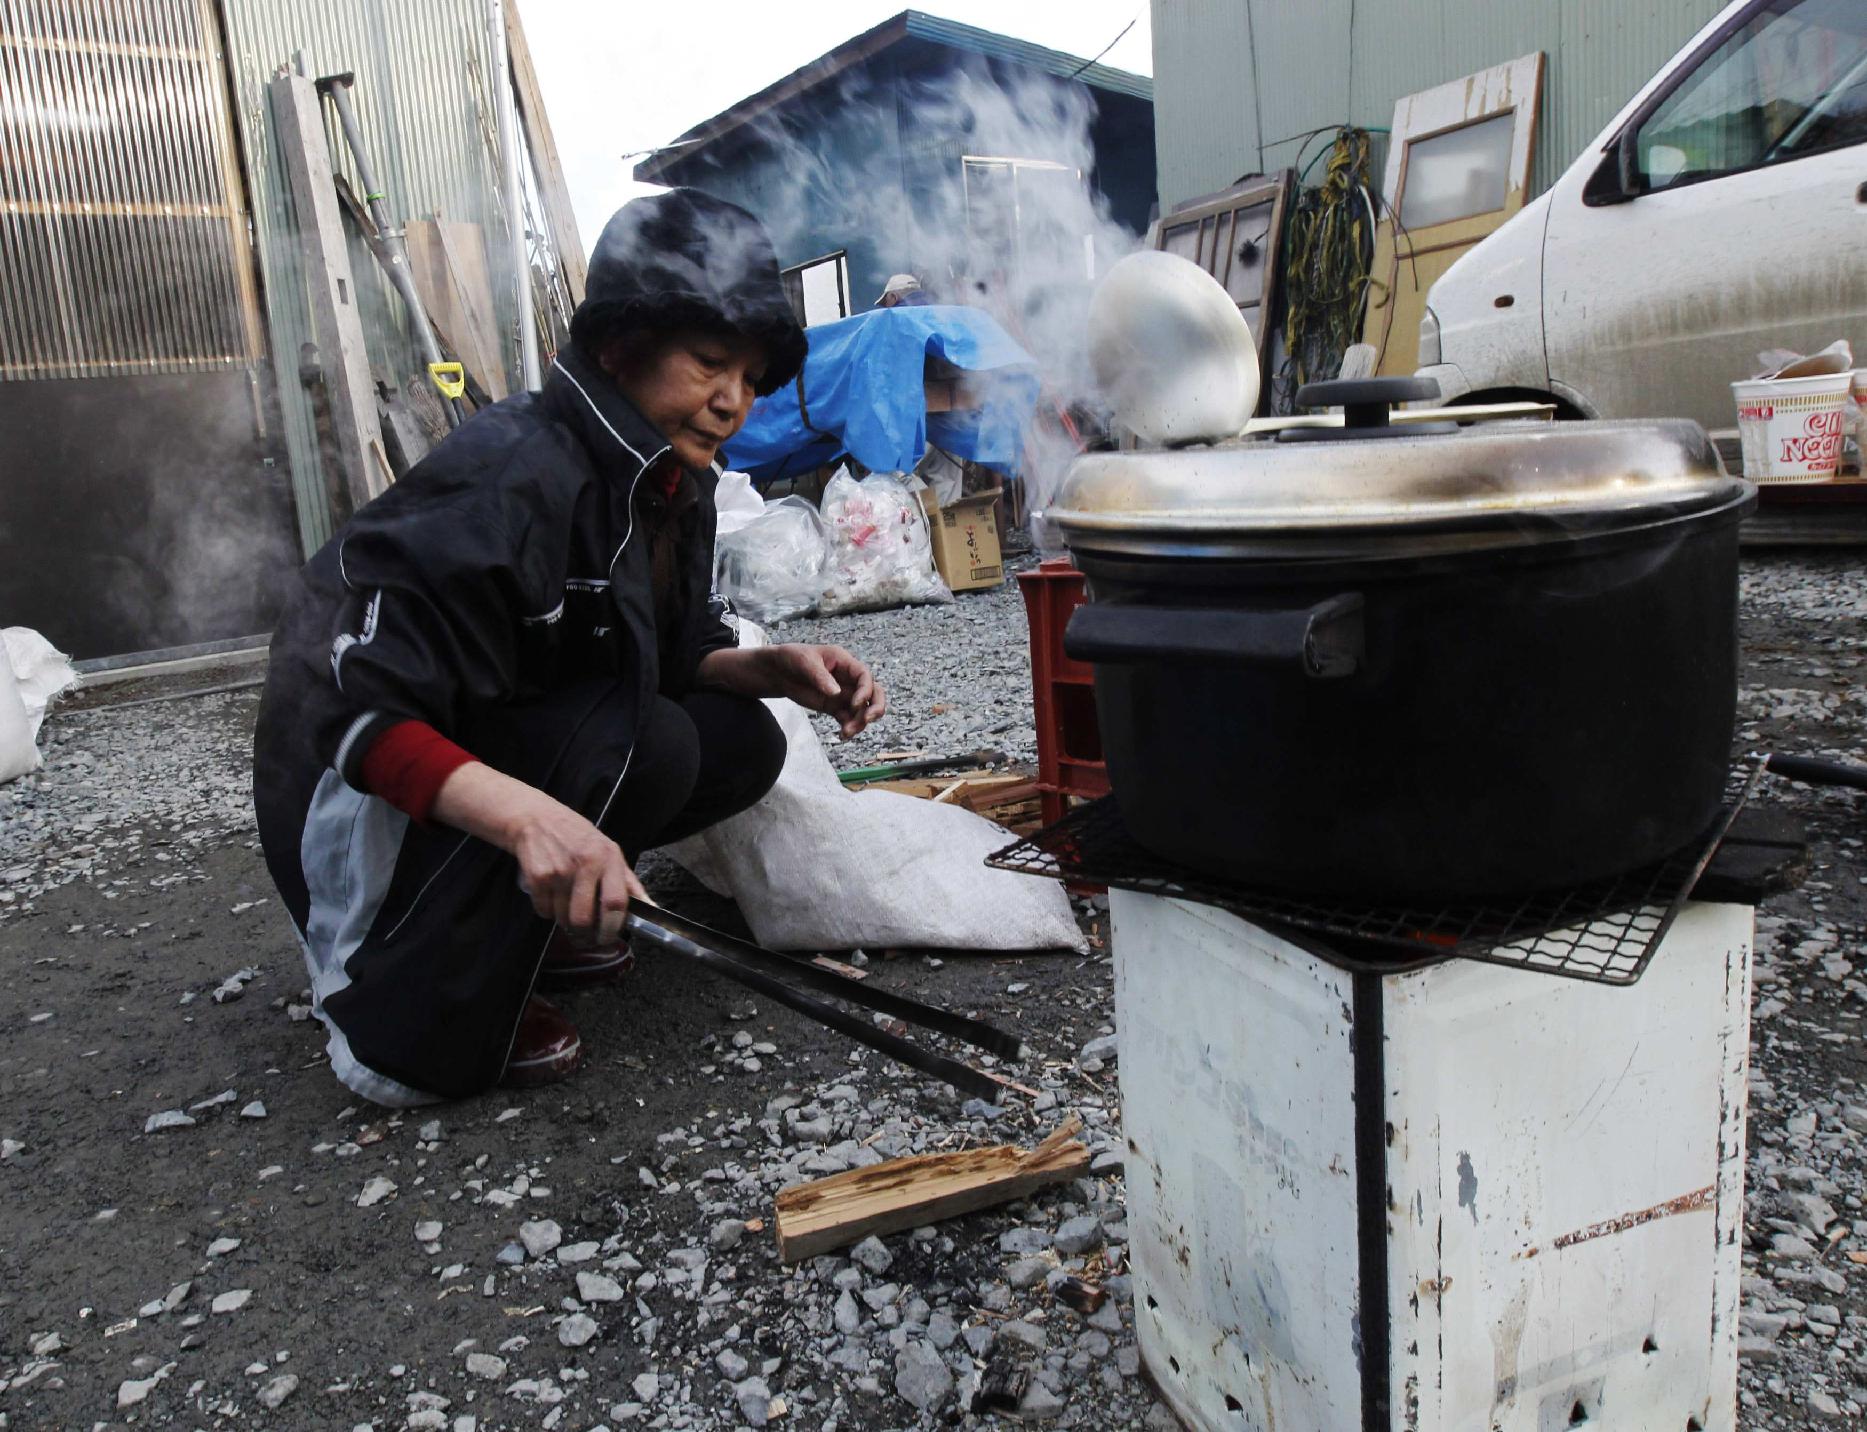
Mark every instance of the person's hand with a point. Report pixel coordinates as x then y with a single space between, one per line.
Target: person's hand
826 679
575 874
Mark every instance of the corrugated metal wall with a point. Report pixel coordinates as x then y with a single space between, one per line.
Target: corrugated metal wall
425 105
123 238
1239 83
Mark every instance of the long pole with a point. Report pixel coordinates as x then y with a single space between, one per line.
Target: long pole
392 252
507 112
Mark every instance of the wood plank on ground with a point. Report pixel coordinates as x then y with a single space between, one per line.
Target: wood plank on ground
887 1197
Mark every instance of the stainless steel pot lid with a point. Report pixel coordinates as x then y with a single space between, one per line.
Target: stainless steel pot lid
1508 477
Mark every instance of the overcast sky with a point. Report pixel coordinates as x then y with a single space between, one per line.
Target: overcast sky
622 75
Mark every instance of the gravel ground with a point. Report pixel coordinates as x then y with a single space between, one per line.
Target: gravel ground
958 677
204 1229
1804 1316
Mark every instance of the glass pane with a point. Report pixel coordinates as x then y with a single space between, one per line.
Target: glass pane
1457 174
1791 81
823 292
1251 233
1050 201
991 215
1181 239
1205 243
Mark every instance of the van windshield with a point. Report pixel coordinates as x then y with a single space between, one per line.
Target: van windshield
1790 81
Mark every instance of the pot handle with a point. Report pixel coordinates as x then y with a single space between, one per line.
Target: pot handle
1325 641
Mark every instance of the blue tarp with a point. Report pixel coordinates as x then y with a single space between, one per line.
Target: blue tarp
862 387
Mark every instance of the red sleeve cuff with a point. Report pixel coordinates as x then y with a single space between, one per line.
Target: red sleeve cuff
407 764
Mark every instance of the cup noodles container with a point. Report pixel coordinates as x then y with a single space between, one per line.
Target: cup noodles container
1793 428
1860 412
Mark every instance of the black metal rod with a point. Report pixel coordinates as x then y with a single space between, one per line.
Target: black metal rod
962 1077
1815 772
800 969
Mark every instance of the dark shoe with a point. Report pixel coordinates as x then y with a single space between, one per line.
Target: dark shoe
568 968
545 1049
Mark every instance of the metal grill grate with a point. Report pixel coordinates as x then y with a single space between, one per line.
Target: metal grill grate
1606 931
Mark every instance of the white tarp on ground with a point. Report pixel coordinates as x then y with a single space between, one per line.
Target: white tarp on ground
32 672
817 866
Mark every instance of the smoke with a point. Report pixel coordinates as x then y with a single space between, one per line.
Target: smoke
983 186
214 534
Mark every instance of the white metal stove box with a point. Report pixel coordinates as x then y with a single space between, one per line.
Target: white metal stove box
1463 1198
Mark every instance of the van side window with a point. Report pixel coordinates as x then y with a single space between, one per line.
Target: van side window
1790 81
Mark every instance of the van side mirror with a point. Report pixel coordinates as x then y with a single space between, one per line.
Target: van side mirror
1616 179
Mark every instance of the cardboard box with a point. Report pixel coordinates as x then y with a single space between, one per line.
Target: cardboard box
965 541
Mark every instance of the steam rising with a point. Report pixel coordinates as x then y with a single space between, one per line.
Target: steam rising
1023 241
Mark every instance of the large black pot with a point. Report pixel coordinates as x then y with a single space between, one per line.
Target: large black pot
1444 709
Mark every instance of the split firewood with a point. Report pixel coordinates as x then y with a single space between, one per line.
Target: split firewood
887 1197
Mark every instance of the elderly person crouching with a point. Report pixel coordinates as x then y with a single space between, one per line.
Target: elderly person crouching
506 677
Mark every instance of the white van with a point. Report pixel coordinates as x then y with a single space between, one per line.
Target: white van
1723 212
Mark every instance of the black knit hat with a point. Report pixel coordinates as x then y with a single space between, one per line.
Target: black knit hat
686 259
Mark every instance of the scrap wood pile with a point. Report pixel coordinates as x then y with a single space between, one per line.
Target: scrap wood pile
972 782
1007 798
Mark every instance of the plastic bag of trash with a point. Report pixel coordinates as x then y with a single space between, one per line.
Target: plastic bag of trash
817 866
880 552
32 673
735 503
944 474
772 567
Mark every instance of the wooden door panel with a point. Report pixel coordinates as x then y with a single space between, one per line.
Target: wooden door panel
1407 260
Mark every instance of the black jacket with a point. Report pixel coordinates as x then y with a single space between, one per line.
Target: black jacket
512 562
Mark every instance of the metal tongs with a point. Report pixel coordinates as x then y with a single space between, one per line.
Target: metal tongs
759 968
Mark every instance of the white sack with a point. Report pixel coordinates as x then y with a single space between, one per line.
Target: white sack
816 866
18 754
32 672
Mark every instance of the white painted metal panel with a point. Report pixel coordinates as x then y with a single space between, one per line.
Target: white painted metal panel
1566 1185
1239 1111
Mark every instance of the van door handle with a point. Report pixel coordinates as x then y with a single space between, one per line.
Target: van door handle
1860 194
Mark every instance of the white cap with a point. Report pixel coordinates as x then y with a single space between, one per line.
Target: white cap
900 283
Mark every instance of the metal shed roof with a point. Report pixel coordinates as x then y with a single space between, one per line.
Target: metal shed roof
908 25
